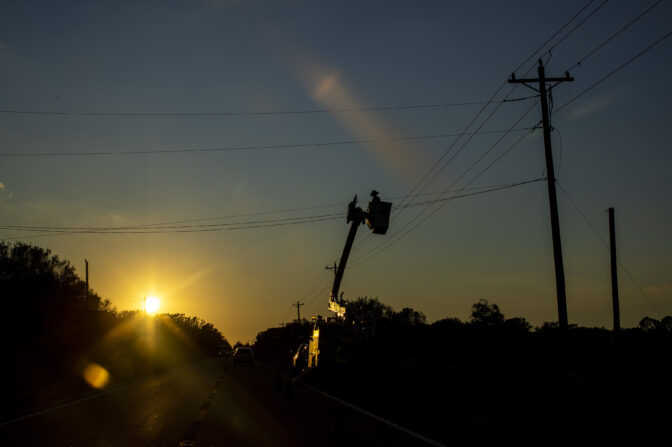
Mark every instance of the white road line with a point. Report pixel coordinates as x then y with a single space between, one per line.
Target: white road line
378 418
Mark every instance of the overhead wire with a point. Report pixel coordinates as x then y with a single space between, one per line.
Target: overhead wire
313 289
250 113
401 233
547 41
613 36
560 147
321 292
315 284
163 228
168 227
525 61
171 230
441 167
417 188
585 19
620 263
244 148
614 71
384 246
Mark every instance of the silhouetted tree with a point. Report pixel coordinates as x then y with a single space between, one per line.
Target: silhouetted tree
649 324
548 326
517 324
51 331
409 316
666 323
366 309
448 324
486 314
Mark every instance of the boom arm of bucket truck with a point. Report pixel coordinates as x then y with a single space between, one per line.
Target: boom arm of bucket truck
377 218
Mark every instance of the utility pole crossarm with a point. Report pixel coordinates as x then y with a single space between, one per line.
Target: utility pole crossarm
298 311
529 80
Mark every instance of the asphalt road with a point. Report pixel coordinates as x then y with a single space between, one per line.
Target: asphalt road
210 403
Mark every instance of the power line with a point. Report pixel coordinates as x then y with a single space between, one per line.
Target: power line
321 292
438 161
253 147
382 247
160 225
171 228
560 146
464 132
614 71
585 19
252 113
613 36
447 162
535 52
181 230
497 188
399 235
316 283
592 227
162 228
531 56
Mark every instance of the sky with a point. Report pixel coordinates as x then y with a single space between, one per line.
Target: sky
183 113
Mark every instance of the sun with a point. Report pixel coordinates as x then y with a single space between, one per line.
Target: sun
152 304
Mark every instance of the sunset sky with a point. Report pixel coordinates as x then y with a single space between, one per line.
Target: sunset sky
246 190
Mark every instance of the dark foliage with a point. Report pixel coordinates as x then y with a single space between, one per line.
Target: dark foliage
51 332
490 380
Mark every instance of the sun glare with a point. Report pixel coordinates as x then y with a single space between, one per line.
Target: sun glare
151 304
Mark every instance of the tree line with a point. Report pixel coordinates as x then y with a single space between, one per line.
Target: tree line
54 330
490 379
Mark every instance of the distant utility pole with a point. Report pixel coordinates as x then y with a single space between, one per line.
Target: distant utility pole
86 296
298 311
333 268
614 271
552 199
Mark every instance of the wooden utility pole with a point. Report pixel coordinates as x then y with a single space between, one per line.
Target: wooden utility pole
552 199
614 271
298 311
86 296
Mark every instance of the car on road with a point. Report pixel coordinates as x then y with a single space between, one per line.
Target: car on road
243 354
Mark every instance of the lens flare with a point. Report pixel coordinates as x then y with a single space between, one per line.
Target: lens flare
404 160
96 376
